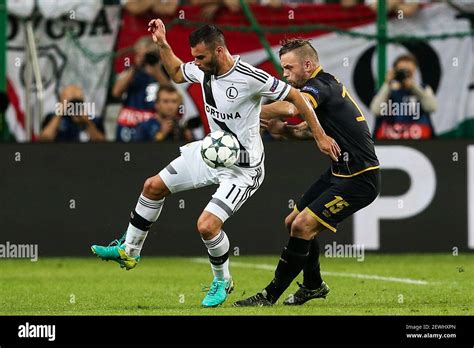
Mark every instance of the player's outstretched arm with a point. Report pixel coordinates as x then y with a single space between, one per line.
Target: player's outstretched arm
171 63
280 128
278 109
326 144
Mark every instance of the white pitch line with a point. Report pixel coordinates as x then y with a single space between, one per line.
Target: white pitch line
267 267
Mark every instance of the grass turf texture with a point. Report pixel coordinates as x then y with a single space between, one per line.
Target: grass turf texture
173 286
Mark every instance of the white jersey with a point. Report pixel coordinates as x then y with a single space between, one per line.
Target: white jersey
233 103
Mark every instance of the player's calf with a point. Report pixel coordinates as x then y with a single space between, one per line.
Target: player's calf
292 261
217 244
146 212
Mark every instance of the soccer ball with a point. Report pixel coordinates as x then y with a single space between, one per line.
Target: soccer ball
220 149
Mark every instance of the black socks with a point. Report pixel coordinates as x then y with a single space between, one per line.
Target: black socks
311 270
292 260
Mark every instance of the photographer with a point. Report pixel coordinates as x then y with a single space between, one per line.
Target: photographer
166 125
402 106
72 120
137 86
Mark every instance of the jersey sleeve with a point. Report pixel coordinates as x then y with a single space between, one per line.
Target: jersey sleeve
316 93
265 85
191 72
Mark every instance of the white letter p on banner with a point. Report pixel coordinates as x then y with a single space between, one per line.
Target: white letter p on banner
415 200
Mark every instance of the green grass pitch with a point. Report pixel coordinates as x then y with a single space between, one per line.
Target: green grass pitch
406 284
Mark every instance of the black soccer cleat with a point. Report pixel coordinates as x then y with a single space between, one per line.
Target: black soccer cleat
303 294
258 300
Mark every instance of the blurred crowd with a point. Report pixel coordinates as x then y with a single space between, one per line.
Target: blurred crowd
211 7
153 108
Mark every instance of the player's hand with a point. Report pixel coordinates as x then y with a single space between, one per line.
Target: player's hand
158 31
329 147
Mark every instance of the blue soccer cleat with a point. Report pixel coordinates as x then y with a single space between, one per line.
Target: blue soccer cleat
116 253
218 292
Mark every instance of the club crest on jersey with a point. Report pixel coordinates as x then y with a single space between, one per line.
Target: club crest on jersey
221 115
275 85
231 93
311 89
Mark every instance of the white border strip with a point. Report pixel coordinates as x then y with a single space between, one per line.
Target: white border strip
470 196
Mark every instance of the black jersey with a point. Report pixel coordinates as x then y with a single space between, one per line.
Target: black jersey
342 119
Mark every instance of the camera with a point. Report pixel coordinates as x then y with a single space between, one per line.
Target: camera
401 75
151 58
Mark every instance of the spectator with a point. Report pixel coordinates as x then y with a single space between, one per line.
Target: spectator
350 3
160 7
211 7
407 9
137 86
166 123
402 106
74 120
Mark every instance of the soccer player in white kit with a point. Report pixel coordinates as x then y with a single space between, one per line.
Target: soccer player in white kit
232 92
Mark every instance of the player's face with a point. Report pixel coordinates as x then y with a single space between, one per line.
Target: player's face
204 58
168 104
293 69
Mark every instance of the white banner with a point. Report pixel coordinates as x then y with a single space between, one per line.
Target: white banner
62 60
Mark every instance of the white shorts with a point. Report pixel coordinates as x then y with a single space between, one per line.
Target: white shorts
236 184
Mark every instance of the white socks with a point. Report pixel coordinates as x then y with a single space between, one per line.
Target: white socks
145 214
218 250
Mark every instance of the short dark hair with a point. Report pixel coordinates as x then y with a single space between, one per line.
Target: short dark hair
407 58
289 45
166 88
209 34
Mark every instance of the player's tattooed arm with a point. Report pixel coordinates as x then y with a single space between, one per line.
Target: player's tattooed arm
280 128
171 63
278 109
300 131
326 144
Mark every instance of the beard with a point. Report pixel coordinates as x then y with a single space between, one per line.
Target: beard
299 83
212 68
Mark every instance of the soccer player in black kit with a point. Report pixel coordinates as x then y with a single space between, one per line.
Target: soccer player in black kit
352 183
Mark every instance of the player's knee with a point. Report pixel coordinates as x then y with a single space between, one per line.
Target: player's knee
154 188
288 222
303 227
208 227
290 218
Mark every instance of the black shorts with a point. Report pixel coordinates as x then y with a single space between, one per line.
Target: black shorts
331 199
